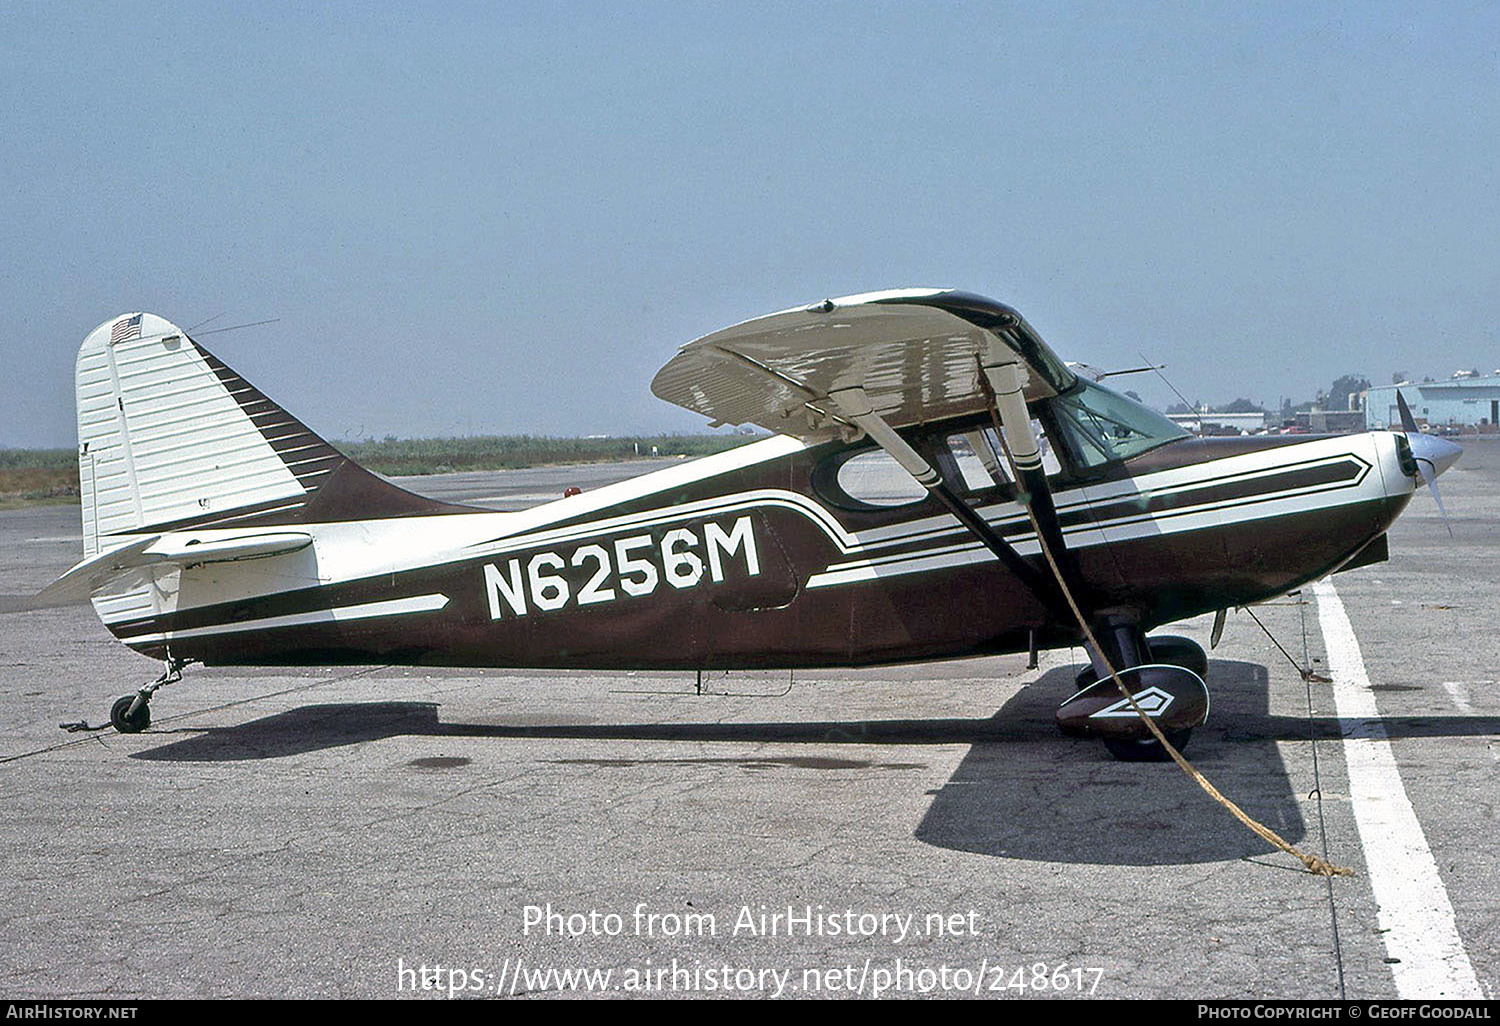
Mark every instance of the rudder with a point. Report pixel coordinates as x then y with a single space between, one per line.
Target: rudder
170 437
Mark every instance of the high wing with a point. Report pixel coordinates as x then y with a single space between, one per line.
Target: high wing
915 353
880 361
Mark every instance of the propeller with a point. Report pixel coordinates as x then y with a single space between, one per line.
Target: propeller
1433 455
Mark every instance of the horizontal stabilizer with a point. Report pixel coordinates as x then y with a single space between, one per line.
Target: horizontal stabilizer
93 573
84 579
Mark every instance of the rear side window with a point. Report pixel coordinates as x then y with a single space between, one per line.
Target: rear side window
875 478
971 461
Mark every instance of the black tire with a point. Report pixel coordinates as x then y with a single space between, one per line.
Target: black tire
1169 649
1178 651
119 715
1149 750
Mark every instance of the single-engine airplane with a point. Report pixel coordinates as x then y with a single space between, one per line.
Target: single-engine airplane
938 484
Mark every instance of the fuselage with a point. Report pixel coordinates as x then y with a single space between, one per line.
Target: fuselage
776 555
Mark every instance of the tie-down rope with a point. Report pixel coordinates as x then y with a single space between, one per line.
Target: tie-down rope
1314 863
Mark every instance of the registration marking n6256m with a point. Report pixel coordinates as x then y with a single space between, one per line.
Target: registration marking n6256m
635 565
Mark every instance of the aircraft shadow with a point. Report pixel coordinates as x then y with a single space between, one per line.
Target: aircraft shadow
1054 802
1023 791
1051 802
314 728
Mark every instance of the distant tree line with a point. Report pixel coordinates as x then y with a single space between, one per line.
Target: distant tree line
1335 397
407 456
51 475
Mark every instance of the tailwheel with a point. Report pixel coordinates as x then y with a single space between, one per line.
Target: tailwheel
126 721
132 713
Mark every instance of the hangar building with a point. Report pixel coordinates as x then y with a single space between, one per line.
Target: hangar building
1459 401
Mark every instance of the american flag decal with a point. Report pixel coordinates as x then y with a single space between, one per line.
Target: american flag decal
125 328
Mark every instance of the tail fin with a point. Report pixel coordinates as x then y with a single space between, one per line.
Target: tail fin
169 437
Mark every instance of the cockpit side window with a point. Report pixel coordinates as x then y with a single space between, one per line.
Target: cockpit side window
1101 426
973 460
970 460
976 462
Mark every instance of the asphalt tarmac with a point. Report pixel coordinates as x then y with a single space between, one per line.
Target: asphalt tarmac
383 832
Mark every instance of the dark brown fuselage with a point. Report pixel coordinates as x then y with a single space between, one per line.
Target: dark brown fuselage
1193 526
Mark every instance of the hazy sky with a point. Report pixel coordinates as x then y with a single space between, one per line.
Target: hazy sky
476 218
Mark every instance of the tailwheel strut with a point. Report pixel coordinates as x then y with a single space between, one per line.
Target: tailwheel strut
131 714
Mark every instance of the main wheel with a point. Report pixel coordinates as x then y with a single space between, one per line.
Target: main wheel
1178 651
1148 750
119 715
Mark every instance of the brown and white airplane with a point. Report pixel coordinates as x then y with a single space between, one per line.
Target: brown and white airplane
921 437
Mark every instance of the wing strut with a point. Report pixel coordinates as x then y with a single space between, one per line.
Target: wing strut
1005 384
855 405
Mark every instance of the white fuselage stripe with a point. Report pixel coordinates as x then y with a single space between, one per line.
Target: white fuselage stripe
718 505
1168 522
363 611
1417 923
928 528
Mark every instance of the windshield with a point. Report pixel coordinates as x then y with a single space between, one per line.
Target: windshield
1103 425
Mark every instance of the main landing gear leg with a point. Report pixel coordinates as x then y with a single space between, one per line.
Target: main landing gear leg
1164 675
132 713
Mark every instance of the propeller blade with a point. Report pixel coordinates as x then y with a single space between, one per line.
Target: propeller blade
1408 422
1430 476
1433 455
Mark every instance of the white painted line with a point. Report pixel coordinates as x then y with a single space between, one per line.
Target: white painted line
1459 691
517 497
1416 917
